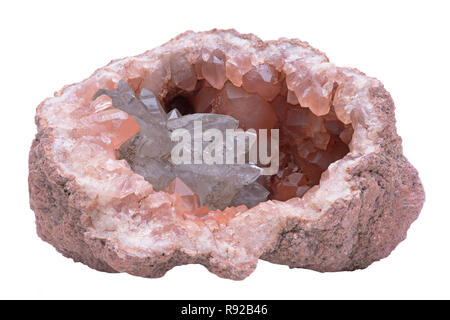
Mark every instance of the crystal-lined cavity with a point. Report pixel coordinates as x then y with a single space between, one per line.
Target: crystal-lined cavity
229 93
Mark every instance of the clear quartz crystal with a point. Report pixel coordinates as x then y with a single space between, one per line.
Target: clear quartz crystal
208 120
173 114
153 140
250 195
154 108
216 185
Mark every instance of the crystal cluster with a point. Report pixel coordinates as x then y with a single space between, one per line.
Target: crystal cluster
227 94
215 186
309 142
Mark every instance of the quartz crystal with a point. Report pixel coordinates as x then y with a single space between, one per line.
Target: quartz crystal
182 72
309 143
214 185
155 111
213 68
263 80
217 185
159 172
250 195
173 114
153 139
237 67
251 110
189 197
313 88
113 126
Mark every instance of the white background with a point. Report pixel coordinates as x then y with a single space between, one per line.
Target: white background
47 44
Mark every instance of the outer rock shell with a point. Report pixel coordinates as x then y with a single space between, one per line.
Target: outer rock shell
358 214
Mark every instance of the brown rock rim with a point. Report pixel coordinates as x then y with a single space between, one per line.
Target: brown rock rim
93 208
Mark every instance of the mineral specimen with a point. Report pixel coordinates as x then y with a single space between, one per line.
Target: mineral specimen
106 192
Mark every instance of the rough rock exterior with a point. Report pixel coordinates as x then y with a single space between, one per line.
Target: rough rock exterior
94 209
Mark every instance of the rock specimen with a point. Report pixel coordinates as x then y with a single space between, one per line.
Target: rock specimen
344 195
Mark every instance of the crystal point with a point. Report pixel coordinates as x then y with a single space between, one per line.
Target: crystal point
189 197
213 68
263 80
173 114
250 195
182 72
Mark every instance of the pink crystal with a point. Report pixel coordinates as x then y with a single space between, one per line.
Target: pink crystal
275 60
213 68
321 140
203 100
237 67
154 79
182 73
263 80
114 125
308 90
292 98
251 110
189 197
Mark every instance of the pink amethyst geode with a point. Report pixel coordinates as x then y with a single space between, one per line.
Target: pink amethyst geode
343 198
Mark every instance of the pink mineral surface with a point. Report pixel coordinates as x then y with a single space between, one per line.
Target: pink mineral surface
104 193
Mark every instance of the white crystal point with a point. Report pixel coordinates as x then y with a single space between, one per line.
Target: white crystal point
153 106
153 140
157 171
173 114
250 195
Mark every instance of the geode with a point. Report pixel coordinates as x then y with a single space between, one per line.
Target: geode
344 195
